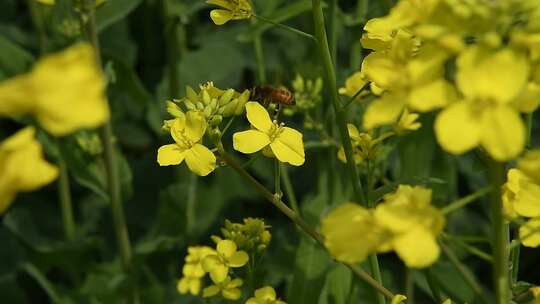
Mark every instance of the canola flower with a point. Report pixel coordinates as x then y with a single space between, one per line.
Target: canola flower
64 91
226 256
265 295
230 10
521 197
285 143
227 287
365 147
187 131
398 299
405 222
23 166
192 271
251 235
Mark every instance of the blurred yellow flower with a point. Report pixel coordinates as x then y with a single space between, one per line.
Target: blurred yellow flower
536 294
188 131
264 295
231 10
350 233
228 288
530 165
192 270
363 144
23 166
490 81
529 233
413 223
226 256
65 92
353 84
285 143
407 122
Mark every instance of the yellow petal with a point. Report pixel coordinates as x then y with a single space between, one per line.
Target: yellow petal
432 95
226 248
353 84
417 248
238 259
503 132
529 100
195 286
353 131
250 141
266 293
195 126
457 129
235 283
258 117
16 96
220 16
200 160
288 147
529 233
232 294
223 3
380 69
210 291
170 155
527 198
485 74
384 110
530 165
183 286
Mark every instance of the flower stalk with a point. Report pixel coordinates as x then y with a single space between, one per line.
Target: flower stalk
66 205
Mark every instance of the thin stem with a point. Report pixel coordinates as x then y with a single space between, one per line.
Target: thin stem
514 260
499 235
296 218
259 56
277 178
285 27
289 191
466 274
471 249
409 285
113 178
66 205
332 28
464 201
353 98
172 50
432 283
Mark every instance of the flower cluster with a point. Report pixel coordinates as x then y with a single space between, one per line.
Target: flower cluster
252 235
521 197
307 95
477 62
268 135
240 244
230 10
405 222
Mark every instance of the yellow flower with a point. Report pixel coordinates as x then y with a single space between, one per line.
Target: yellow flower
226 257
398 299
192 270
285 143
407 122
363 144
522 193
228 288
350 233
536 294
490 81
188 131
265 295
530 165
414 224
23 166
65 91
232 10
353 84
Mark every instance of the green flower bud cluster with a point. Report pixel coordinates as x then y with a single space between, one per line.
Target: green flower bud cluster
307 94
252 235
213 102
89 142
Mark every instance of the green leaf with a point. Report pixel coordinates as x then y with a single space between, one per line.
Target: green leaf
309 275
113 11
338 284
13 58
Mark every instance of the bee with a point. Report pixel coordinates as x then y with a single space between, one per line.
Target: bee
268 94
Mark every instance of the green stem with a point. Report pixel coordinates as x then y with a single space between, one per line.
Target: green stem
113 178
296 218
353 98
289 191
432 283
37 19
191 200
499 234
277 178
514 260
464 201
66 205
285 27
409 285
172 49
259 56
332 28
466 274
471 249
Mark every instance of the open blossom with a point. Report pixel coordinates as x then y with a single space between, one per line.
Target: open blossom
64 91
192 271
23 166
285 143
228 288
226 256
187 131
265 295
230 10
